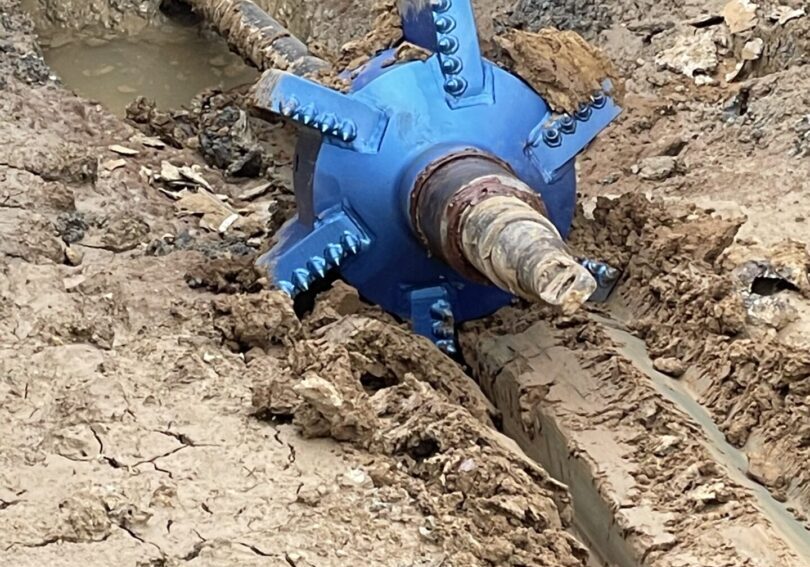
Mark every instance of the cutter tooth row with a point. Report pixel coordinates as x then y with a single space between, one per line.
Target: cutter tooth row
334 255
308 115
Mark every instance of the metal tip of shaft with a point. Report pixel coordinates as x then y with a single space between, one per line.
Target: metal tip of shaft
520 250
560 281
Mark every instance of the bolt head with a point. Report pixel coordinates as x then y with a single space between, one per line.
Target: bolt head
567 124
455 86
552 137
451 65
445 24
440 6
583 113
448 45
598 100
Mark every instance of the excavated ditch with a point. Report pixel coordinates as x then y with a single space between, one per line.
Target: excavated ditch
653 472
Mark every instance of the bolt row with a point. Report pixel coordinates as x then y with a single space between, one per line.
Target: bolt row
443 326
553 134
333 256
327 123
448 45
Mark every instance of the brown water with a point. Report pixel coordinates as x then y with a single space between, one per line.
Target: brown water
166 62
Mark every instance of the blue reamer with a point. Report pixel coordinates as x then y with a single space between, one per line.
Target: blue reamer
359 158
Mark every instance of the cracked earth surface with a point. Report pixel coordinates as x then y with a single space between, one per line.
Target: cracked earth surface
158 404
155 394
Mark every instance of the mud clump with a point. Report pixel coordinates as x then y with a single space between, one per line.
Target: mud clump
386 31
123 15
227 140
387 353
560 65
176 127
376 387
263 320
228 275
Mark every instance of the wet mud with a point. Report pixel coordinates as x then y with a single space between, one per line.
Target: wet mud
731 341
164 406
560 65
167 63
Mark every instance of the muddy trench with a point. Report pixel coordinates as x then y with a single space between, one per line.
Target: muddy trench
165 406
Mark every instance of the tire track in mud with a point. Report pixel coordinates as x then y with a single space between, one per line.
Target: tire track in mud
732 458
680 292
690 295
646 490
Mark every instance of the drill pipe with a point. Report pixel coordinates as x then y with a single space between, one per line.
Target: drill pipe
260 39
470 210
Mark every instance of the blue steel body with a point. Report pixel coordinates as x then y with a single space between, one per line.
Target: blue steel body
354 190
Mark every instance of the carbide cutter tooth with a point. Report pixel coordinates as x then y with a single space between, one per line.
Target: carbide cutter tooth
308 114
442 311
348 131
334 255
301 279
328 123
351 242
317 266
287 287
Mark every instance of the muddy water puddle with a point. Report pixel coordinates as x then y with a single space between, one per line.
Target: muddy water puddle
167 62
723 452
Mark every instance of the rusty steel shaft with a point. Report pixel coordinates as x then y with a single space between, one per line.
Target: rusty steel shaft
470 210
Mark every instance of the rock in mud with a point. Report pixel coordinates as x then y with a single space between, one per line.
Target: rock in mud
73 256
72 226
740 15
694 55
560 65
227 140
175 127
669 365
124 233
264 320
658 168
340 300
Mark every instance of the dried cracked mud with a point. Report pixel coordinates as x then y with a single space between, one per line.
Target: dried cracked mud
162 406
